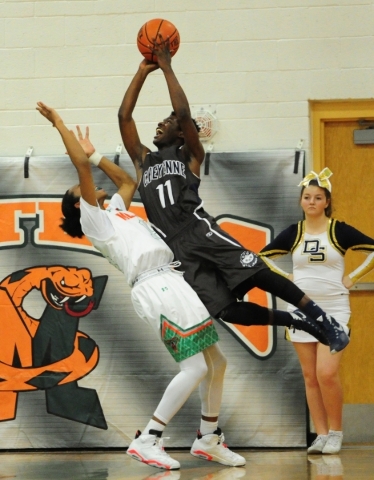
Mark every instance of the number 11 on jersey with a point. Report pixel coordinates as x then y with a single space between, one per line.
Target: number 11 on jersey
161 193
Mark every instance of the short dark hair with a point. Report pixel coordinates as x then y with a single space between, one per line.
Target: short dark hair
314 183
71 223
198 128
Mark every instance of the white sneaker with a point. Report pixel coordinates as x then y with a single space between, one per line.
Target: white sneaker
334 442
149 449
211 447
318 444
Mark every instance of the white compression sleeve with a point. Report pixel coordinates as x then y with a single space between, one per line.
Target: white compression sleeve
193 371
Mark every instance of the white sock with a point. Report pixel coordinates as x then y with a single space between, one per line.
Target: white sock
153 425
336 432
208 427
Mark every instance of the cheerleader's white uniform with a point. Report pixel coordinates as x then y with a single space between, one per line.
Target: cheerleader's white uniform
318 267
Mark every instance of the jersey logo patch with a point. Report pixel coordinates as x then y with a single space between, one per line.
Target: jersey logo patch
172 343
248 259
125 215
314 250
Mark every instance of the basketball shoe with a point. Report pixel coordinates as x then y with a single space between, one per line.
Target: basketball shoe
325 329
212 447
334 332
301 321
149 449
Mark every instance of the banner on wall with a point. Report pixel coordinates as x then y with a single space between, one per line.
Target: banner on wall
79 369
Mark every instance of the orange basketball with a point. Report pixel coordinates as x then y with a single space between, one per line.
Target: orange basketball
150 30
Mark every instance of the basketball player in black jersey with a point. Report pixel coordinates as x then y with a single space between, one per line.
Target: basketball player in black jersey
219 269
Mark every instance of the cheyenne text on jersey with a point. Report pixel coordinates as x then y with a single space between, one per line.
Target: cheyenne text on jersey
167 167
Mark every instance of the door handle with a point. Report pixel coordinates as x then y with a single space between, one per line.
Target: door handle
363 286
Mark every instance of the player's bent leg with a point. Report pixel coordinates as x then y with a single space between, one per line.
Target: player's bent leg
193 371
248 313
332 332
209 444
147 447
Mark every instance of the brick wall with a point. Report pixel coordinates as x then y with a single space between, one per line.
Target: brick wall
257 61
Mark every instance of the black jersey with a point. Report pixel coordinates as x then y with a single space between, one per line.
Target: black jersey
214 263
169 190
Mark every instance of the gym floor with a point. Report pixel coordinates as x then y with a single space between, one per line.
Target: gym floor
354 462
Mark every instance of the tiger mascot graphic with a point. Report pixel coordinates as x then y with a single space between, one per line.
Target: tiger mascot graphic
50 353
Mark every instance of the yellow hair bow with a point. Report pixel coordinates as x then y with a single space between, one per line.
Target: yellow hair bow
322 179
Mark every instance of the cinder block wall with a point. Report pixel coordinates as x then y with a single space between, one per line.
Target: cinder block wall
258 62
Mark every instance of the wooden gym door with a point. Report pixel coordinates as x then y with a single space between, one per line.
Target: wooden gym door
353 202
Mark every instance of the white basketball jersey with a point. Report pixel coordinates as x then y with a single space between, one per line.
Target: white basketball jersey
134 247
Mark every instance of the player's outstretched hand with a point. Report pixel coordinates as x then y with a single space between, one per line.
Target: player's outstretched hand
85 141
48 112
162 51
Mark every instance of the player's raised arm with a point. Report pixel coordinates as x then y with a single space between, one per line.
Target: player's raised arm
181 107
121 179
127 126
75 152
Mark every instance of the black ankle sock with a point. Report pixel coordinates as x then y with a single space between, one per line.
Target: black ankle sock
281 318
312 310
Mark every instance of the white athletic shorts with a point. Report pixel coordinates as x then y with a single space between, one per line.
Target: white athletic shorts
172 308
337 307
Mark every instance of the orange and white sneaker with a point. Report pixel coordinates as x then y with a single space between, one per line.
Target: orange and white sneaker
149 449
211 447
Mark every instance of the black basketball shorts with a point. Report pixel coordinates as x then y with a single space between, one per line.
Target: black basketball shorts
213 262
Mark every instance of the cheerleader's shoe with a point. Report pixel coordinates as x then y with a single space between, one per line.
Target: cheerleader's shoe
334 442
318 444
211 447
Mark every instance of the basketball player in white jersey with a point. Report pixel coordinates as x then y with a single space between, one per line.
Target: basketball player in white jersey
160 296
318 245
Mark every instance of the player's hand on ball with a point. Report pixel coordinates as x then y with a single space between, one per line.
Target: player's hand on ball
148 66
161 48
